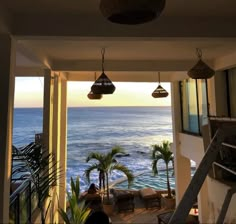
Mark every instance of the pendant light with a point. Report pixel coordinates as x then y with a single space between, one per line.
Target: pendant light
201 70
159 91
103 85
131 12
93 96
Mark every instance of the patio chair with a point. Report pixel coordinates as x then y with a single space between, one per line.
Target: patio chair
124 200
150 197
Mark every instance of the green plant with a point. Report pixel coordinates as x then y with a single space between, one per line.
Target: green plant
105 164
42 169
162 152
77 211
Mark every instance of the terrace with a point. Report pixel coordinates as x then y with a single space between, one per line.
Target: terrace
61 42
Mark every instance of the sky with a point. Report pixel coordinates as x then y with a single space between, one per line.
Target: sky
29 93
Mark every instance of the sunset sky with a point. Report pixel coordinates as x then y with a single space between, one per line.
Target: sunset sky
29 93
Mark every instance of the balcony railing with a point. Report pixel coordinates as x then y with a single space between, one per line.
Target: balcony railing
225 167
23 202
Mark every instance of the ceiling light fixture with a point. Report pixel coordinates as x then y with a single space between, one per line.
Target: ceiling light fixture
93 96
131 11
201 70
103 85
159 91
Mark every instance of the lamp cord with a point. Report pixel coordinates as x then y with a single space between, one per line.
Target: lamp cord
199 53
103 53
159 78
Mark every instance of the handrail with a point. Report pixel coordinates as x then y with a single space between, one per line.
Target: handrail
19 190
223 167
229 145
21 204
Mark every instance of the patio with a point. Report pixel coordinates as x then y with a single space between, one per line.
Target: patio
140 214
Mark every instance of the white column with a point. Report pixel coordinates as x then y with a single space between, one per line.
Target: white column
7 83
63 144
56 117
48 120
56 136
48 110
182 164
59 137
203 203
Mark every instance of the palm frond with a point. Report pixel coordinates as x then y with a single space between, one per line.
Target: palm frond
128 173
154 167
64 216
94 155
75 187
44 172
89 170
116 150
78 212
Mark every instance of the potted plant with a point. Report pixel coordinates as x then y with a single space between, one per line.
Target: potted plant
105 164
162 152
77 212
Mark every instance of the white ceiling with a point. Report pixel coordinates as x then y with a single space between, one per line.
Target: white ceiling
68 36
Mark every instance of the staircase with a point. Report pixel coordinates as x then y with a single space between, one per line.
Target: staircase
224 131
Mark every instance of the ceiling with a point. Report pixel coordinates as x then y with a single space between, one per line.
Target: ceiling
68 36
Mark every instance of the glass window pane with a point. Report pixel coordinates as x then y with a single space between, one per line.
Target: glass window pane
202 102
189 106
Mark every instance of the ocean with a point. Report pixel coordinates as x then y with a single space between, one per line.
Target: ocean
99 129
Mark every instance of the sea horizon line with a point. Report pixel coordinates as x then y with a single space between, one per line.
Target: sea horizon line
95 107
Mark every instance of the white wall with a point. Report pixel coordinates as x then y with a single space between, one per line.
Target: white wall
217 192
191 147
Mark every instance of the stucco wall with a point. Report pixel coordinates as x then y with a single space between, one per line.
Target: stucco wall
191 147
217 192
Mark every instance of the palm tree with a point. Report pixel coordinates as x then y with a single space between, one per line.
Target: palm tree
163 152
105 164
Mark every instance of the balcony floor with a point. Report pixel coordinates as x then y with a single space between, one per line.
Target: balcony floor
141 215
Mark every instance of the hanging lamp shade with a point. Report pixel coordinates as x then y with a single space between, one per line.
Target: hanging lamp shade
201 70
103 85
131 11
93 96
159 92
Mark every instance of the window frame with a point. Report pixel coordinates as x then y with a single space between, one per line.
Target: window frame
197 100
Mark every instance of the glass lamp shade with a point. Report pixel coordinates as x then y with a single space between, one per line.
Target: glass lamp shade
201 71
160 92
93 96
103 85
131 11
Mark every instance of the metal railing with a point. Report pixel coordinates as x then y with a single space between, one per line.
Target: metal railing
225 168
23 202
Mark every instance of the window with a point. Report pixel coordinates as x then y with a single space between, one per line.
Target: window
193 105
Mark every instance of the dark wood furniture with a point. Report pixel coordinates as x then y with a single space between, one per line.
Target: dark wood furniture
93 201
150 197
124 200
